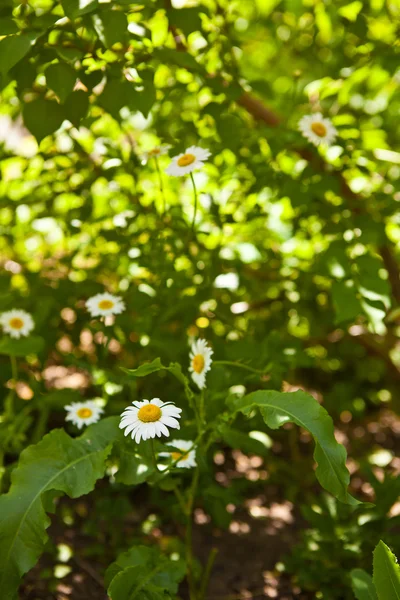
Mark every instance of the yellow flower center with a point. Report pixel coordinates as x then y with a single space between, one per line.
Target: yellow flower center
198 363
186 159
155 151
106 304
182 455
84 413
319 129
149 413
16 323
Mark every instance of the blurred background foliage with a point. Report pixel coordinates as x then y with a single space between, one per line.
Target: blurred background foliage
295 260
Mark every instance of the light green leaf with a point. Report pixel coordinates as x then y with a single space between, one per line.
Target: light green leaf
361 583
22 347
278 408
58 462
346 302
386 573
61 79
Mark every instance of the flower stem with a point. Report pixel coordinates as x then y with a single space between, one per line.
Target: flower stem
195 202
160 180
9 408
153 453
188 540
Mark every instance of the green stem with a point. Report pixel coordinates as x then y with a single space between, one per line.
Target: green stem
181 500
188 540
207 573
202 407
153 453
195 202
160 180
240 366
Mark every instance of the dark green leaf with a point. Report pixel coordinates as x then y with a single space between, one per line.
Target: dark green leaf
362 585
43 117
77 8
13 48
111 26
61 79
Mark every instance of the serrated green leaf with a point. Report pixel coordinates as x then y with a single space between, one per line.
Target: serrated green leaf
146 369
22 347
144 573
43 117
61 79
278 408
386 576
58 462
362 585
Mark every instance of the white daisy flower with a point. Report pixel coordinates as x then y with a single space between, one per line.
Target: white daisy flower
200 362
193 158
103 305
317 129
17 323
184 452
83 413
148 419
156 152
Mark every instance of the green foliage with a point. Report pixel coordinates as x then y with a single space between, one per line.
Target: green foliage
59 463
303 410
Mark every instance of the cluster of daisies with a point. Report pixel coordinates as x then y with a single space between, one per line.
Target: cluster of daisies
143 420
148 419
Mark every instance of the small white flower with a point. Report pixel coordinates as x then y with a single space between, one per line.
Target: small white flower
156 152
17 323
200 362
184 452
193 158
83 413
148 419
103 305
317 129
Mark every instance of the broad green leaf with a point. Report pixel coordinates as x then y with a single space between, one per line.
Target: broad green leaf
43 117
61 78
143 572
22 347
13 48
386 576
278 408
7 26
58 462
362 585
